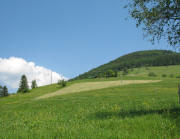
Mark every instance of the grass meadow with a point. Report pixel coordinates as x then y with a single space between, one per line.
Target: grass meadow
131 111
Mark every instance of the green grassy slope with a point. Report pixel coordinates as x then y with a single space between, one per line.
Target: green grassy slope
134 60
132 111
169 71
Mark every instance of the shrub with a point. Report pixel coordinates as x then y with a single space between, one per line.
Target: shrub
125 71
34 84
171 75
62 83
178 76
111 73
115 74
164 75
152 74
100 75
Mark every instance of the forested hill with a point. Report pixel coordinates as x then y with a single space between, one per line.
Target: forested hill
134 60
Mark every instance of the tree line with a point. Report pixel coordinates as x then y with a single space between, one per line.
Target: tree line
23 87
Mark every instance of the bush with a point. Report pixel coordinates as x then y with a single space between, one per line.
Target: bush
171 75
152 74
125 71
164 75
62 83
111 73
178 76
34 84
115 74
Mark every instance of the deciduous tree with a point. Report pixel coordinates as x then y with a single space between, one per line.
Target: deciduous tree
34 84
159 18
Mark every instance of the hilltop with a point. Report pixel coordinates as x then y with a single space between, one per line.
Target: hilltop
135 60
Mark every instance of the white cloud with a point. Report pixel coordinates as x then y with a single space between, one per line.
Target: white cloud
13 68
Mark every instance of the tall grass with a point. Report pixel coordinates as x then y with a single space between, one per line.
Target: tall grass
132 111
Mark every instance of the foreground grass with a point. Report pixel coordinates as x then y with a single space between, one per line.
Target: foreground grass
132 111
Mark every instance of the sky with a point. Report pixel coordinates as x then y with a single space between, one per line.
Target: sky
68 37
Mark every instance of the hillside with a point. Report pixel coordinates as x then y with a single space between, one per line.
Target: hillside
134 60
97 108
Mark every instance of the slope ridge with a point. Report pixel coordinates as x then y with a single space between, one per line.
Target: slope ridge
134 60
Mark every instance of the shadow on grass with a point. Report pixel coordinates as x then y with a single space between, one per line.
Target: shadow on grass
173 114
123 114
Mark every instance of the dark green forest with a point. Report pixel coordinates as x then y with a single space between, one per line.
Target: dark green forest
133 60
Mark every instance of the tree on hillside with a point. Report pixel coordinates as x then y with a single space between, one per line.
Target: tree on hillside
23 86
111 73
34 84
125 71
62 83
3 91
159 18
101 75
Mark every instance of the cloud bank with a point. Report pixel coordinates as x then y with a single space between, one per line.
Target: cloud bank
13 68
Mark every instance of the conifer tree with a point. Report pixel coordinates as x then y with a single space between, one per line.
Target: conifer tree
5 91
23 86
34 84
1 91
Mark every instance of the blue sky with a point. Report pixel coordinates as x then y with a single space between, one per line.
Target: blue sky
69 36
